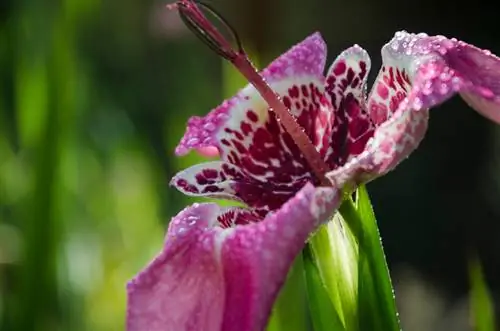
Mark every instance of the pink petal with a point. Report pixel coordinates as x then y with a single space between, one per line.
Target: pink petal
480 71
346 86
183 284
249 136
213 278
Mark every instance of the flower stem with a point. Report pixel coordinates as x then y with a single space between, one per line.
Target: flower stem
374 282
349 257
324 316
482 308
289 310
334 252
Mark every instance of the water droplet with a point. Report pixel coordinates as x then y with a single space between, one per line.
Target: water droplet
192 218
206 243
417 104
400 34
209 126
444 89
486 92
193 141
445 76
456 82
222 116
427 90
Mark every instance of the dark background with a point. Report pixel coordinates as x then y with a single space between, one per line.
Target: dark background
94 96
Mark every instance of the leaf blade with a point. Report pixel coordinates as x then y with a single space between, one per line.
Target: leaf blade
482 309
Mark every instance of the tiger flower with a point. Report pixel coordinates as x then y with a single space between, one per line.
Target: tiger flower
221 268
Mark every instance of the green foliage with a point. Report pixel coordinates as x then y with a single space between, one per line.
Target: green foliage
377 307
290 309
79 194
482 307
323 313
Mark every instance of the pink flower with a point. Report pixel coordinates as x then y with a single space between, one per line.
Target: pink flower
220 269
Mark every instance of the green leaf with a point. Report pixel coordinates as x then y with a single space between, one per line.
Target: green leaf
290 309
482 308
32 80
323 314
376 304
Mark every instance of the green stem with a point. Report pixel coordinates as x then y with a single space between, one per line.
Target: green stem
350 261
324 316
481 307
334 252
290 310
353 220
362 222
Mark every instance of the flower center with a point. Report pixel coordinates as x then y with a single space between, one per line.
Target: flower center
194 18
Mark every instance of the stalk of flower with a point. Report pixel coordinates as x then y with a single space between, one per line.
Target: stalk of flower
289 143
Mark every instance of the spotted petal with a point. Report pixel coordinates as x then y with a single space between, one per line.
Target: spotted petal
346 86
248 135
420 72
399 127
211 277
210 179
222 180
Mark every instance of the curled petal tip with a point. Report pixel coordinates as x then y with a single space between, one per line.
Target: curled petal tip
208 151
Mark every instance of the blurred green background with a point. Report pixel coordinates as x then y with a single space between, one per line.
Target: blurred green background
94 96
